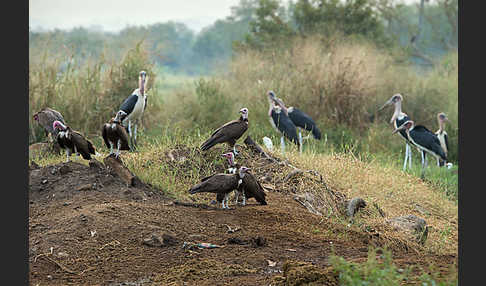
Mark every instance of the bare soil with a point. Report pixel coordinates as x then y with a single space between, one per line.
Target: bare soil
87 227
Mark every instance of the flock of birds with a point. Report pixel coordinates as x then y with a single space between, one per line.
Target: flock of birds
118 134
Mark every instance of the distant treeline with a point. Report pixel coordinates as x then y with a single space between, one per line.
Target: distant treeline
420 32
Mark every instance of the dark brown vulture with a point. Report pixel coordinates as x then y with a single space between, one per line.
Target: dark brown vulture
229 132
250 187
46 117
115 134
73 141
221 184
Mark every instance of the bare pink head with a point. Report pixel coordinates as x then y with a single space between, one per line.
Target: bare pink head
58 125
230 157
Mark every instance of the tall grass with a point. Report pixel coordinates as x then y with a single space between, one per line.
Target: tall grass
88 94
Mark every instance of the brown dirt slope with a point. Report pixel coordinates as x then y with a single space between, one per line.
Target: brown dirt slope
86 227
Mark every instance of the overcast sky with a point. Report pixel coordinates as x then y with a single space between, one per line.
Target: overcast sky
114 15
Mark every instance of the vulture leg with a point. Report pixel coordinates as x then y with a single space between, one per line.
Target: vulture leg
111 147
68 153
234 150
76 150
118 145
237 194
282 144
244 198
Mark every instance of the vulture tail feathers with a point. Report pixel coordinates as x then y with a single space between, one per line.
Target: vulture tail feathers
209 143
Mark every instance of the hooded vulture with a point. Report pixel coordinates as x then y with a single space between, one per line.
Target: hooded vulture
229 132
134 106
220 183
73 141
46 117
250 187
114 134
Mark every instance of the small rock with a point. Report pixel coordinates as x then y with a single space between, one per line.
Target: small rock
44 182
258 241
85 187
412 225
64 169
160 239
62 254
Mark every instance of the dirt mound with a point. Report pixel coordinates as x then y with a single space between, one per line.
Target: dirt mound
88 227
67 180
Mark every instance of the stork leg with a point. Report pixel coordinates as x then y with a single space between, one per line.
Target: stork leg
300 141
422 153
237 194
409 157
135 134
407 150
282 144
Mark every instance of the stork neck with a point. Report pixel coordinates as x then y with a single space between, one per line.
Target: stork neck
398 110
441 126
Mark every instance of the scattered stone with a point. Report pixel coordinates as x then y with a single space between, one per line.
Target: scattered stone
258 241
65 169
304 273
62 254
354 205
236 240
160 239
85 187
415 227
44 182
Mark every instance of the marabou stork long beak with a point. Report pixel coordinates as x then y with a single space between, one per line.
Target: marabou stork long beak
386 104
405 125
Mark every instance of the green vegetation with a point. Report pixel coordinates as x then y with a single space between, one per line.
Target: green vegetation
380 270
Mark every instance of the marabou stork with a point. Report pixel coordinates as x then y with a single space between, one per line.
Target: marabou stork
114 134
398 119
73 141
300 119
229 132
442 135
424 139
281 122
134 106
220 183
46 117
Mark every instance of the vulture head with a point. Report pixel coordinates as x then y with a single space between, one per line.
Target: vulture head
120 115
230 157
57 125
244 113
36 117
243 171
142 81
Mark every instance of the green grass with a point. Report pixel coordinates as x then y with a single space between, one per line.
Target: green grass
380 270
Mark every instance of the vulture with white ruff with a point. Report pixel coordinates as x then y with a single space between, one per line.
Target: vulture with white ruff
220 183
229 132
114 134
249 188
46 117
73 141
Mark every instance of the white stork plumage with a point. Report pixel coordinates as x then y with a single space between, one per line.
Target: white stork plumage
134 106
442 135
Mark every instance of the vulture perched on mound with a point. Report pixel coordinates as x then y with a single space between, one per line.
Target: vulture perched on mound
281 122
114 134
229 132
46 117
221 184
249 188
73 141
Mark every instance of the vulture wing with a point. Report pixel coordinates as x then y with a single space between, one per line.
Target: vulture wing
83 146
218 183
123 136
104 134
229 132
253 189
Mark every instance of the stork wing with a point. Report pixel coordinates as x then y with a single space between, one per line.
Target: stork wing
129 104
